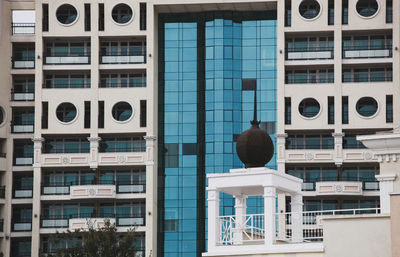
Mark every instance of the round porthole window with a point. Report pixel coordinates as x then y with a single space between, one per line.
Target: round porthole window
66 112
66 14
122 111
309 9
367 106
309 107
122 13
2 116
367 8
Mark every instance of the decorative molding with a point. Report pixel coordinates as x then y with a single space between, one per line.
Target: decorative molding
386 177
150 138
94 139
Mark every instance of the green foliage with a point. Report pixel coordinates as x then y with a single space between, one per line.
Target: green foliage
97 242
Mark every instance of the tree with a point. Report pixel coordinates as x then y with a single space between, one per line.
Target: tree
96 242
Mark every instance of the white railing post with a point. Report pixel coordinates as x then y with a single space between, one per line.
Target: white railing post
269 212
240 219
213 215
297 217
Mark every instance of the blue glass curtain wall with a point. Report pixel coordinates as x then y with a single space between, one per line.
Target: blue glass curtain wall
202 109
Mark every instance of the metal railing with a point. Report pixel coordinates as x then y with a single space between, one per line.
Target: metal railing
22 127
122 220
66 58
22 191
22 95
312 225
122 85
23 28
125 57
353 52
231 230
23 62
2 192
23 160
295 80
21 225
66 85
309 53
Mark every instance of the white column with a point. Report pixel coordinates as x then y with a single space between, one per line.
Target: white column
151 199
240 219
385 189
213 214
338 153
269 215
94 151
37 160
297 217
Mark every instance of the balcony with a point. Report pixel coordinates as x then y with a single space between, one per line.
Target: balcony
80 221
23 160
65 159
127 84
250 230
355 52
104 189
66 59
23 28
24 63
21 225
22 96
331 185
2 192
23 192
3 161
133 57
317 53
22 127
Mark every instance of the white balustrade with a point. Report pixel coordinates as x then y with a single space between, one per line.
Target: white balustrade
252 229
312 222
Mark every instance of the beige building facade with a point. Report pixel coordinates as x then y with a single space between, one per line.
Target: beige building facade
80 114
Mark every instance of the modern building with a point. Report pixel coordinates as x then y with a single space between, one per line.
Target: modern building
119 109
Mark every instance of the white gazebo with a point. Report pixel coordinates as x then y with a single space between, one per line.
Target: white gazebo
268 232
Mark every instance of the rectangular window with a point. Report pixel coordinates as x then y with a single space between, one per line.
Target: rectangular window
87 114
45 18
316 141
288 111
345 110
101 114
331 12
389 109
389 11
268 126
288 13
101 17
189 148
143 16
331 110
171 155
143 113
87 17
45 115
345 12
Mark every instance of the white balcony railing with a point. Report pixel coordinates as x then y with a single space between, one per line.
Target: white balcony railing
312 222
250 229
234 231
